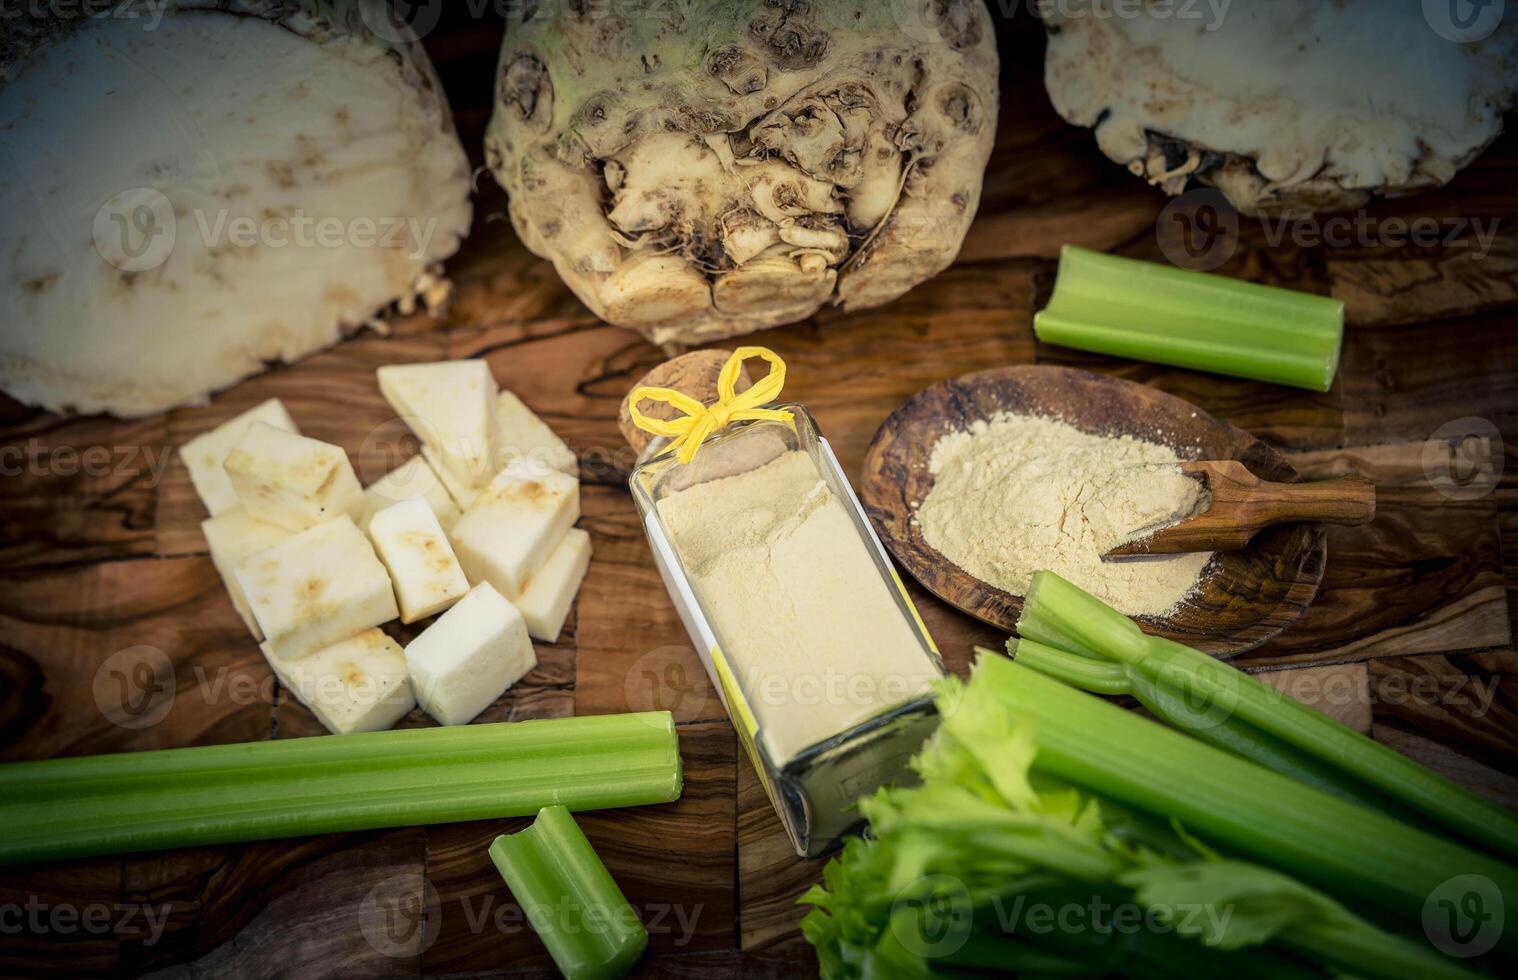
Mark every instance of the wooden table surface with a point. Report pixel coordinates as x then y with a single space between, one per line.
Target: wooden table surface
1409 639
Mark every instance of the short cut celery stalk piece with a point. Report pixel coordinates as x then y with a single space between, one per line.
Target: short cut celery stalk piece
1345 849
1159 313
1229 692
139 801
569 898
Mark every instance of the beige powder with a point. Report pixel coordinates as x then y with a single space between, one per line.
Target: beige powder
1019 493
805 619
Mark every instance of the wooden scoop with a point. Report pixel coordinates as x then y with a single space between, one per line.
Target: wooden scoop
1243 504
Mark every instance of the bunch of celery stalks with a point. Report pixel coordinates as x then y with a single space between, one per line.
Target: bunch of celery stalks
1055 833
1052 833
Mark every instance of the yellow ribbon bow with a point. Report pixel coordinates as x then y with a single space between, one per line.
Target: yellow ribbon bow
699 421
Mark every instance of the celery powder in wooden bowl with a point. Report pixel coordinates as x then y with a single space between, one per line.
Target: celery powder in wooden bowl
977 482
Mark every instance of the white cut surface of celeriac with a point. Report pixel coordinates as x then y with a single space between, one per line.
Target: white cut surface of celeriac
238 185
513 526
414 479
422 566
1326 101
360 684
463 494
469 657
551 590
450 405
291 480
520 434
315 588
204 455
231 537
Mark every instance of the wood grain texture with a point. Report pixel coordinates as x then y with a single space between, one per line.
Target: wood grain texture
1245 596
95 564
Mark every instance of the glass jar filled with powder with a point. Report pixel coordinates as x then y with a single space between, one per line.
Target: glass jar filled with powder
801 621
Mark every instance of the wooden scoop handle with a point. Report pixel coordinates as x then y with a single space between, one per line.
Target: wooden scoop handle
1243 504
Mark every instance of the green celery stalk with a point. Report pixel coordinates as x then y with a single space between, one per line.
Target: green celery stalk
1231 692
1069 668
138 801
1344 848
1160 313
1231 734
570 898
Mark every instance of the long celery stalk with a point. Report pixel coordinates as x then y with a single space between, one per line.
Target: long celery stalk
1344 848
1231 734
570 898
138 801
1153 312
1228 691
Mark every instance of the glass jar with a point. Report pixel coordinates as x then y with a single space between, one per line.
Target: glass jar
803 625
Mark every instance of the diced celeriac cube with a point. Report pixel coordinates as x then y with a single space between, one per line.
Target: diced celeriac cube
231 537
545 603
450 405
413 479
358 685
521 434
423 569
473 653
463 494
293 481
315 588
204 454
510 529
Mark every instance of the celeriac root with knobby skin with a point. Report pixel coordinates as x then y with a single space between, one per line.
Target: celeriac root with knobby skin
701 170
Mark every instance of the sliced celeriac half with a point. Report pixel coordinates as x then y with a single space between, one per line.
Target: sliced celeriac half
290 480
450 405
360 684
469 657
231 537
423 569
412 480
511 528
520 434
203 456
550 592
213 188
316 588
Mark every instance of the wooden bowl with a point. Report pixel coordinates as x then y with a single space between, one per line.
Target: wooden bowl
1245 597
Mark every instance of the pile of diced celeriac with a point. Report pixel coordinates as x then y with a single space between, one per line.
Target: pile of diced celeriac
479 527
